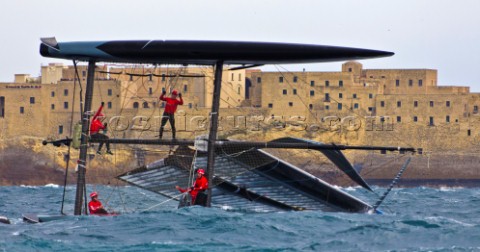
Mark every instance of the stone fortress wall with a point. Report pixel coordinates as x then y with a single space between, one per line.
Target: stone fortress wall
356 106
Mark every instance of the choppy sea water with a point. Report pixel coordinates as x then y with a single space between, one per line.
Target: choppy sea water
414 219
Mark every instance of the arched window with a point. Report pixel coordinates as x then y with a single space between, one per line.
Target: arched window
145 105
135 105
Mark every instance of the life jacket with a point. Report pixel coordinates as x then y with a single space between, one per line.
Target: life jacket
171 104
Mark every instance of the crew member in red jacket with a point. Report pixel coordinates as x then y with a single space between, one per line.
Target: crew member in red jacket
95 206
200 185
169 112
95 126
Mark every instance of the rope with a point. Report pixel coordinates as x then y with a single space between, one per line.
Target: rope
163 202
395 180
192 168
71 133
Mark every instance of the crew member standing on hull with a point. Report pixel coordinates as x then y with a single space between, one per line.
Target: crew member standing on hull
169 112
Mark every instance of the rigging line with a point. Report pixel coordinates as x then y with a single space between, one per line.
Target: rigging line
229 85
192 166
125 101
134 95
111 193
227 178
395 180
382 165
237 154
305 82
159 101
100 92
85 200
296 94
163 202
177 78
155 107
227 156
173 81
112 174
81 88
156 91
81 116
224 84
155 70
69 146
394 135
98 86
331 98
122 200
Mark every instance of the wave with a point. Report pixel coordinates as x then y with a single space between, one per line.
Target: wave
29 186
347 188
450 188
36 187
448 220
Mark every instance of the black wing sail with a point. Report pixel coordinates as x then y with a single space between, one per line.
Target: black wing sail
336 156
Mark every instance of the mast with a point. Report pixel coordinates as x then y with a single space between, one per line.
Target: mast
82 160
212 138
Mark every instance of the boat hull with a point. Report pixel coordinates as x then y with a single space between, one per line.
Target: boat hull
202 52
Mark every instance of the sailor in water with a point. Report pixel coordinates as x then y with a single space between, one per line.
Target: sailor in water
169 112
196 191
95 206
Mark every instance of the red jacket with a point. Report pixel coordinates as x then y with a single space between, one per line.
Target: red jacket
95 207
200 184
171 104
96 125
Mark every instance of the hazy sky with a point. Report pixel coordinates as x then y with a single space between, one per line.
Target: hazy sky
434 34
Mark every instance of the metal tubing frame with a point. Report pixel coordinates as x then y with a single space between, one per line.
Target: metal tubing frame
82 161
257 145
212 138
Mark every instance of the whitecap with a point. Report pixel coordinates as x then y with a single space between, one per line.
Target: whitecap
28 186
449 189
440 218
165 242
52 185
226 208
351 188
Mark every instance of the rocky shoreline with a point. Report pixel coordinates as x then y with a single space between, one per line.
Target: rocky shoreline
30 165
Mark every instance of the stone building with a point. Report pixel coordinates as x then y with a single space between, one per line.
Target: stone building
389 104
45 106
356 105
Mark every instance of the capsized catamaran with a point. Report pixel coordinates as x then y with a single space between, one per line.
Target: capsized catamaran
250 178
308 192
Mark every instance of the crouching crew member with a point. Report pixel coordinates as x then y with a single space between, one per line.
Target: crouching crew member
95 126
198 189
95 206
